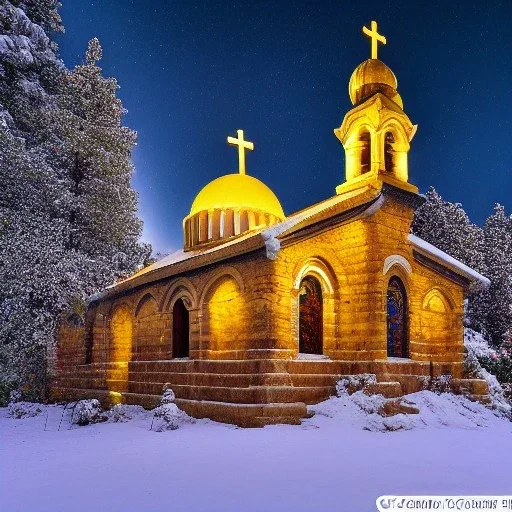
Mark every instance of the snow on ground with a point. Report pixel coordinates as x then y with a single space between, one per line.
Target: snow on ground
329 463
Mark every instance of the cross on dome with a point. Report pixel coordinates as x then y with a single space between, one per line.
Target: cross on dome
375 37
242 146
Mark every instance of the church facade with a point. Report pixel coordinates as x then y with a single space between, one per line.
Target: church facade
261 313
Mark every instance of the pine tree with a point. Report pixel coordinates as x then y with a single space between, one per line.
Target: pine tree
68 223
97 154
447 226
497 301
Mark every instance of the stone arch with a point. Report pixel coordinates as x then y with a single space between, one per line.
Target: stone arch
143 298
182 287
437 320
438 300
396 259
395 144
121 333
321 271
149 341
223 316
225 271
182 290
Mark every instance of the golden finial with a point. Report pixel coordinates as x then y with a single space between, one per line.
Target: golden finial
242 146
375 37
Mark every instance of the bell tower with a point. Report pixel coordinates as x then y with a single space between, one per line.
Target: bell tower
376 133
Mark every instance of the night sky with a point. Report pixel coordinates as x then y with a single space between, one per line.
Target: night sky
192 73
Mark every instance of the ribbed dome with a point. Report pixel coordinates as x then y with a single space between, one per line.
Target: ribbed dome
237 191
373 76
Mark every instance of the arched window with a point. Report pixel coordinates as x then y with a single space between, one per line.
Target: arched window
366 151
398 345
389 140
180 329
310 316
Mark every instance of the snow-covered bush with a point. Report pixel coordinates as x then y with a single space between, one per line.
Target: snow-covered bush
88 411
122 413
478 352
352 383
21 410
441 384
169 417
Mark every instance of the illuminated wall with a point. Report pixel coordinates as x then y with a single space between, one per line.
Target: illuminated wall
225 320
121 328
150 341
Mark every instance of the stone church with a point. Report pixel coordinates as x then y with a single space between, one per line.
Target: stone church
261 313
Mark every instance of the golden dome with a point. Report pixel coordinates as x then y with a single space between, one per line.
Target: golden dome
237 191
373 76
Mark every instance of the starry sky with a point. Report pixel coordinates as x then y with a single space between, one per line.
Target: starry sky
193 72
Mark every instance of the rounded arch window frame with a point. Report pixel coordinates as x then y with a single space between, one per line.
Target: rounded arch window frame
321 270
399 270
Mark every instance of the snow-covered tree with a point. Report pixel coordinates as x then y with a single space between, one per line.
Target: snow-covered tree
68 222
497 301
96 149
447 226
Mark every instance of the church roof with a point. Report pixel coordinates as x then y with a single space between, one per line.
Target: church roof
343 208
432 252
361 202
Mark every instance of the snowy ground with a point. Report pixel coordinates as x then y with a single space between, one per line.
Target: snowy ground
329 463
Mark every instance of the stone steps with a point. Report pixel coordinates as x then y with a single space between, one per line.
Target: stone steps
252 394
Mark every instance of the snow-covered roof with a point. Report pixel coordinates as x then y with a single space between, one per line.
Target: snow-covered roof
268 238
446 260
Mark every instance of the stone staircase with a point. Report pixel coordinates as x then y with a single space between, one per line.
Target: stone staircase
247 393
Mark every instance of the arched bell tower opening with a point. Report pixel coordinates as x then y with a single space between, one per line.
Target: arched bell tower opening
180 330
366 151
389 140
310 316
396 314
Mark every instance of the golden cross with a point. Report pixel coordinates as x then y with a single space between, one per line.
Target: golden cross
375 37
242 146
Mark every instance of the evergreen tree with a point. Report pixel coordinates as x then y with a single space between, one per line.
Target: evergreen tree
96 150
447 226
68 223
497 301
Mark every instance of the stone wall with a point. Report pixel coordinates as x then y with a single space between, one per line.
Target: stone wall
247 307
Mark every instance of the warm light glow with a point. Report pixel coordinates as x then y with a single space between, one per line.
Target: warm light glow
375 37
226 316
121 328
242 146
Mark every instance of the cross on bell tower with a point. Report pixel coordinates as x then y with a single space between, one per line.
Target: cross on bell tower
375 37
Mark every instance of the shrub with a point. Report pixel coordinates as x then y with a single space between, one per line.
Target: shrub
169 417
20 410
86 412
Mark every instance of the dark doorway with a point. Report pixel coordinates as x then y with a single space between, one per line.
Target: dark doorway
180 329
398 345
310 317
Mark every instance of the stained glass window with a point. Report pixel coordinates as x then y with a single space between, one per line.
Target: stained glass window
310 316
397 319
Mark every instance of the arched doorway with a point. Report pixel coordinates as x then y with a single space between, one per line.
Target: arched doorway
310 316
180 329
397 342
